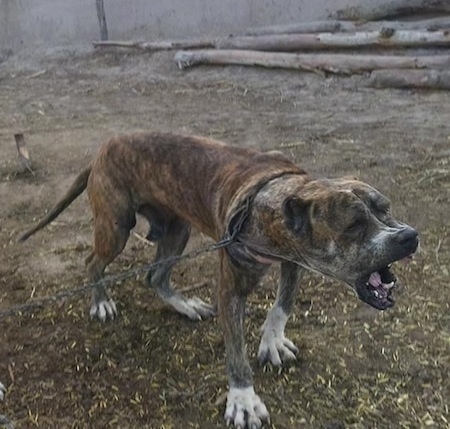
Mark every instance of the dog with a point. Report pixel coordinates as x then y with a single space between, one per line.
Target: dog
271 210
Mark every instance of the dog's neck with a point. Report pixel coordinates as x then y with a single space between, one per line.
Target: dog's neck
264 218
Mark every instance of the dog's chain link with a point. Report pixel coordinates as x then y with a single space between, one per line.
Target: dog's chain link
108 281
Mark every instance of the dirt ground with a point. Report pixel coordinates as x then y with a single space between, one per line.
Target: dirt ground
152 368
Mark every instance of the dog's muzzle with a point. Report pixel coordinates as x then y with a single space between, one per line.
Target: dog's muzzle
375 287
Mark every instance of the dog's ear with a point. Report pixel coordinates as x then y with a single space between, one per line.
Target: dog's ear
295 212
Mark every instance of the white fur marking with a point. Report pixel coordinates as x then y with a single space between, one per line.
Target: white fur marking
194 308
274 346
103 310
245 408
331 248
2 391
380 239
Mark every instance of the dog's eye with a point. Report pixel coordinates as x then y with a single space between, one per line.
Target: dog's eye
382 207
382 210
355 226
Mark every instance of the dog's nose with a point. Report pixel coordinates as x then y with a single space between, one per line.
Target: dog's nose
408 238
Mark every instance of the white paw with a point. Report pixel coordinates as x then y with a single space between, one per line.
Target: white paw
274 346
2 391
245 409
103 310
276 349
194 308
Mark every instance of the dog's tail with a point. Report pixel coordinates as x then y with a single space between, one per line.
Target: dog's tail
77 188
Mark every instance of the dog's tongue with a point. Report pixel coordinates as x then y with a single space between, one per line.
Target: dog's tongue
375 279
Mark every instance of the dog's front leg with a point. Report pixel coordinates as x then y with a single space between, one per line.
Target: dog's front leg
274 346
244 408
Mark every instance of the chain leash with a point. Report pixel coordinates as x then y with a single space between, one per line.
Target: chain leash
110 280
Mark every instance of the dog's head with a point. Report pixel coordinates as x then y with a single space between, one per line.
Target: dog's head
343 228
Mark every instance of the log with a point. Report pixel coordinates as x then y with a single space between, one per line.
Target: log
432 79
295 42
300 27
332 63
159 46
332 26
432 24
389 9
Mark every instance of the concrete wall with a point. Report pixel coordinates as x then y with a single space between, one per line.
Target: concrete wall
61 22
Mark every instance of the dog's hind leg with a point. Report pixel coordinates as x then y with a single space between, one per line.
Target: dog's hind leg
274 346
176 236
110 236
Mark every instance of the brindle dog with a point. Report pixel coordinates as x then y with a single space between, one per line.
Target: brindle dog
276 212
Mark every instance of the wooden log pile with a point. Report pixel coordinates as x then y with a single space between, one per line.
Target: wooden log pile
401 54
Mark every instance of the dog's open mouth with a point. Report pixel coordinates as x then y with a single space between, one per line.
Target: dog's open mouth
376 288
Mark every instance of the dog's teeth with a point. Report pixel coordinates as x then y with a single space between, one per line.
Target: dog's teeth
390 265
375 292
389 285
